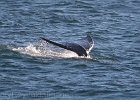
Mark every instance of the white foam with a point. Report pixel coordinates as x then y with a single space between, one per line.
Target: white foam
44 51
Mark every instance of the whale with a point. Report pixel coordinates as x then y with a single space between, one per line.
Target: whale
81 46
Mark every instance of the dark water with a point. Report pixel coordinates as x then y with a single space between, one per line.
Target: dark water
31 70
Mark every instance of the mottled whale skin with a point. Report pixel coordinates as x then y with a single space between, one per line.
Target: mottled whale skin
81 46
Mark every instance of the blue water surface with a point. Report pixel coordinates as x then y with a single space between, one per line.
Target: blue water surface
33 70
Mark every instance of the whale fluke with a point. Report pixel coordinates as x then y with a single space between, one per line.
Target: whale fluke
81 46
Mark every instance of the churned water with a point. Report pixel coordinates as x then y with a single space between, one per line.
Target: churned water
31 69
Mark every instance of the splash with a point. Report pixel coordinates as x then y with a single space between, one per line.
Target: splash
45 50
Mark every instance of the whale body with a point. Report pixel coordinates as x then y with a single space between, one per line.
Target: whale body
81 46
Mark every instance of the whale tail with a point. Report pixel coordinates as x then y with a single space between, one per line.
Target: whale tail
81 46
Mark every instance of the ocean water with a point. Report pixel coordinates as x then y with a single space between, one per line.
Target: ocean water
33 70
